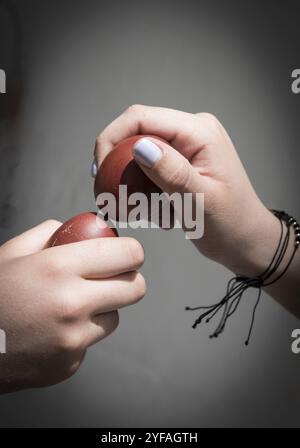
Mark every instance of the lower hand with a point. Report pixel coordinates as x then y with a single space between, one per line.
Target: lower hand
56 302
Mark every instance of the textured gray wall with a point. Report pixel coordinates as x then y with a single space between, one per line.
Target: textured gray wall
82 64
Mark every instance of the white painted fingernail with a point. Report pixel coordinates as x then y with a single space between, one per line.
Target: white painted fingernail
146 152
94 168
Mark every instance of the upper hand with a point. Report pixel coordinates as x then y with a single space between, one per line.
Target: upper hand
240 232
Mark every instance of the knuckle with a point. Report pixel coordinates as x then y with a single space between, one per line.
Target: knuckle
135 109
207 116
70 342
70 310
210 119
53 265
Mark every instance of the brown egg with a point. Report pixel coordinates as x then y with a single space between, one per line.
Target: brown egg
85 226
120 168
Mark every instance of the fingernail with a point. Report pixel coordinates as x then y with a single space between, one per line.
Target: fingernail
94 168
146 152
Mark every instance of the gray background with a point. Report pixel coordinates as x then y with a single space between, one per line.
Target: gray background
76 66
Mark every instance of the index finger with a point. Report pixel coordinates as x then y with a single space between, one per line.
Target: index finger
98 258
178 128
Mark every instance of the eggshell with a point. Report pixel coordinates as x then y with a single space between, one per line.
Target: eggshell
120 168
81 227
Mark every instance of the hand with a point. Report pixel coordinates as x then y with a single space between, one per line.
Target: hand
54 303
200 157
240 232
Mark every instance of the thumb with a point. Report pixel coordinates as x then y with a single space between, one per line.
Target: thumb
166 167
32 240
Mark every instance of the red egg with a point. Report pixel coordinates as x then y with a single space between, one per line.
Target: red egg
85 226
120 168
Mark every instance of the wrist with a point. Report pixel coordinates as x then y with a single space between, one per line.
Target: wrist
256 245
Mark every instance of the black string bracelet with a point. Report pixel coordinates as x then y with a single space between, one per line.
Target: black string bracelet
237 285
